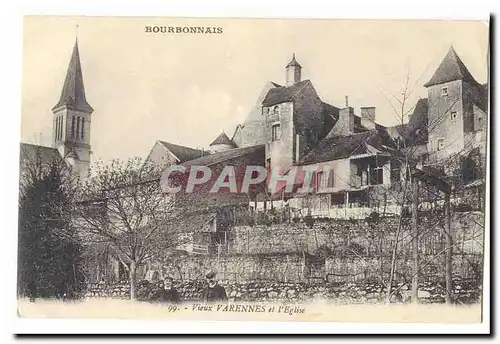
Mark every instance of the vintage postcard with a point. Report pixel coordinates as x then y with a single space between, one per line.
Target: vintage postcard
297 170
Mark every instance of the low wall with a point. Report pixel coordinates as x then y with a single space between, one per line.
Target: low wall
374 237
464 291
235 268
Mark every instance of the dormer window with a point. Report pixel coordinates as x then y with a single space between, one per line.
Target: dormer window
444 92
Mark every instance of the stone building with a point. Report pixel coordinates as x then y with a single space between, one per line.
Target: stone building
354 152
289 125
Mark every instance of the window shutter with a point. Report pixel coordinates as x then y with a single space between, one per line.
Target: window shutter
331 179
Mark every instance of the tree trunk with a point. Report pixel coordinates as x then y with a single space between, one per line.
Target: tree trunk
395 246
131 275
448 249
416 267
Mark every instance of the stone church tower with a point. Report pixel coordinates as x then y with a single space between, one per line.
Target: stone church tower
72 118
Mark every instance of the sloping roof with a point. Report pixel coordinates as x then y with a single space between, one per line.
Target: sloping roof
219 157
293 63
357 127
222 139
30 152
330 117
416 131
340 147
397 130
451 68
198 221
183 153
73 92
484 101
283 94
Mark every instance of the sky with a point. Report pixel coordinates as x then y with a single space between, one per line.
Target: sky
187 88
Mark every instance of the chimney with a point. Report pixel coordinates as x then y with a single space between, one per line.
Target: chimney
368 117
345 124
346 101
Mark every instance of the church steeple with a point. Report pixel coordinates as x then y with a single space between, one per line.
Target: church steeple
73 91
72 118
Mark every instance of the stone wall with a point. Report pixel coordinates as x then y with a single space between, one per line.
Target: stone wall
236 268
464 291
335 251
374 237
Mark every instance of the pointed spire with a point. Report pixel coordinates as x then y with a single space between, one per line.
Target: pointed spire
293 62
451 68
73 92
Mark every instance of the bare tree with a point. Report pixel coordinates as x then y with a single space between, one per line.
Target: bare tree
123 206
407 153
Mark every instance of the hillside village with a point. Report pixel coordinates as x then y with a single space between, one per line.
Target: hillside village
262 241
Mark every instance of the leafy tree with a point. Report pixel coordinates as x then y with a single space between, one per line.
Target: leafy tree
49 252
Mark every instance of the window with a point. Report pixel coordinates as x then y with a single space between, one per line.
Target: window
276 132
276 110
376 174
454 115
444 91
57 129
337 199
395 171
77 132
73 126
440 144
326 180
82 132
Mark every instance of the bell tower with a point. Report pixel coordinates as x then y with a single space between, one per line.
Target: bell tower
72 118
293 72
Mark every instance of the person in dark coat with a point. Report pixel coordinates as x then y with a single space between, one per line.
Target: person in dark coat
166 293
213 292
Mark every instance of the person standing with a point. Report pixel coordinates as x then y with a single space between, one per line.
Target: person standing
213 292
167 293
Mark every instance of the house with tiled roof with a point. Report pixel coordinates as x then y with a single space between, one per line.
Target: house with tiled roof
70 126
353 154
298 129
